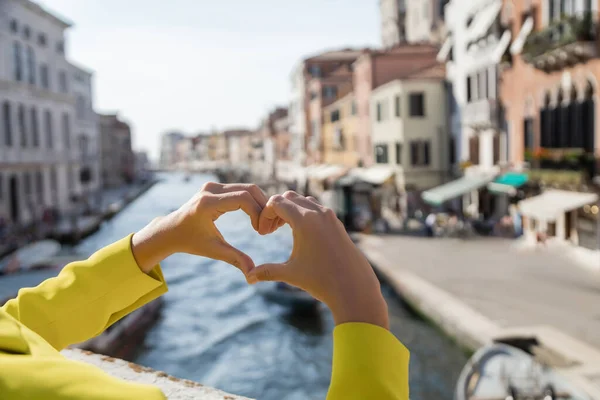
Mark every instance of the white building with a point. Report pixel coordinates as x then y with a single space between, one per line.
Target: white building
297 115
38 151
473 49
86 135
393 22
409 133
168 149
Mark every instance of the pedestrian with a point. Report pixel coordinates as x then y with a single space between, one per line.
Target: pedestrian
89 296
430 224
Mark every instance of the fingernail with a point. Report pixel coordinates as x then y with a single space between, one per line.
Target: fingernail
251 279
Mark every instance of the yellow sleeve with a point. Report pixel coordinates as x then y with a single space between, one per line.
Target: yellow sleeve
368 363
56 378
87 296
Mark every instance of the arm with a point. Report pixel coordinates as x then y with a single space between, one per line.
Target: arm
87 296
368 361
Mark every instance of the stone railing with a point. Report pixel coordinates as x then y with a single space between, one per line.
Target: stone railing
173 388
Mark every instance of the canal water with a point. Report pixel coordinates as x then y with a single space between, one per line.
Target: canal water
217 330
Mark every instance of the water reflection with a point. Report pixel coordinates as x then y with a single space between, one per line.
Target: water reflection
219 331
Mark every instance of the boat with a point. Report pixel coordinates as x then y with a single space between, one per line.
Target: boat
289 296
513 370
32 256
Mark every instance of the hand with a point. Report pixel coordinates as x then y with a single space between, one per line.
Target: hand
324 261
191 229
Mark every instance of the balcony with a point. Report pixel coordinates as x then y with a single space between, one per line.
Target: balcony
481 114
563 165
563 43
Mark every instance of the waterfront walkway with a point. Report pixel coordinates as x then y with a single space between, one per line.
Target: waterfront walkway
512 288
484 289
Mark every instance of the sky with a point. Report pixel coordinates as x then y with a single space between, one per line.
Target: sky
197 65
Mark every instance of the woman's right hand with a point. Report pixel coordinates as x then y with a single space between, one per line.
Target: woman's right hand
324 261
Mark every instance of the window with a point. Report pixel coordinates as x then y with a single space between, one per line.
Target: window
329 92
313 95
83 146
66 129
417 104
17 62
44 77
397 105
1 187
469 92
62 81
338 140
34 128
452 150
14 26
60 47
420 155
80 107
528 133
48 129
399 153
354 107
39 186
381 154
7 117
31 68
315 71
26 32
335 115
379 112
22 125
53 180
426 10
41 39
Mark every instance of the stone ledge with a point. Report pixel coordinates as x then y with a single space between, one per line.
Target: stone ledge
173 388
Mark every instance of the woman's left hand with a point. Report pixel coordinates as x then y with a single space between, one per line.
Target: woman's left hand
191 229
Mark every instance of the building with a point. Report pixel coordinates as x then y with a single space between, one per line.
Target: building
184 153
142 166
549 87
324 91
318 66
118 161
393 22
411 21
409 128
375 68
339 132
86 136
239 148
477 42
168 149
38 150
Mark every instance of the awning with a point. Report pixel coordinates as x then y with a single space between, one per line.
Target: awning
502 45
519 42
324 171
508 183
484 20
445 50
552 203
454 189
376 175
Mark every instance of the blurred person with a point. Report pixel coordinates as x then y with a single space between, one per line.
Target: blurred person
89 296
430 224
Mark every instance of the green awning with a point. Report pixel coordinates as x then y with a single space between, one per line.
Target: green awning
454 189
508 183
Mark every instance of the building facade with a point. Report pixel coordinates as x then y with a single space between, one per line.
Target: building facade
549 88
339 132
118 160
86 136
318 66
393 22
38 151
425 21
409 128
376 68
168 149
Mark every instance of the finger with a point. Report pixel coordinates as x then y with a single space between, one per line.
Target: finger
280 207
307 203
313 200
234 201
269 272
254 190
221 250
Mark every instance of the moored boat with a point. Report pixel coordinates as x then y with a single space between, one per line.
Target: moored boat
289 296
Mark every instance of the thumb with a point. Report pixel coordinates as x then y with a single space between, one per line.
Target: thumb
269 272
221 250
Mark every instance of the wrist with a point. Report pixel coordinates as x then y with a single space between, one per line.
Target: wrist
153 243
365 307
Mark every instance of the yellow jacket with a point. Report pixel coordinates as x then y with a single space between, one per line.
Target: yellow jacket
88 296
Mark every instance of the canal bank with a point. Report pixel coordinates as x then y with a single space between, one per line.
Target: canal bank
481 291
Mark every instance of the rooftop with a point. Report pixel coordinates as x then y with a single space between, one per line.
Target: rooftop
42 11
